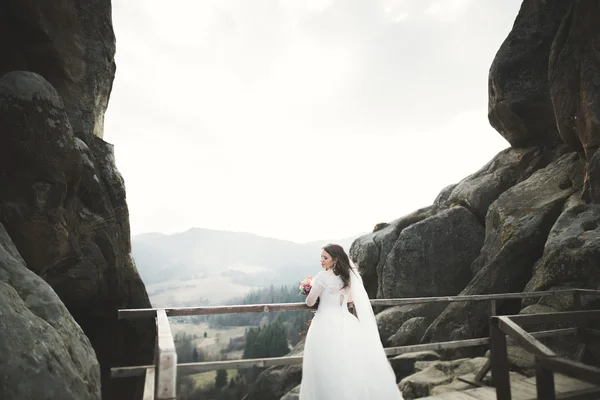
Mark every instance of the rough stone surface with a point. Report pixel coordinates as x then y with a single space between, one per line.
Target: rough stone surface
439 373
432 257
509 167
404 364
43 352
592 193
520 107
571 256
72 45
63 203
391 319
369 252
279 381
293 394
574 74
410 332
517 226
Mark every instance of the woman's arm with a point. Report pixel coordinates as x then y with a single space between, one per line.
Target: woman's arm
314 293
352 309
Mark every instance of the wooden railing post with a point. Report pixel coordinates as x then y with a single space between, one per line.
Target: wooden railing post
166 359
544 382
488 364
499 357
577 300
149 385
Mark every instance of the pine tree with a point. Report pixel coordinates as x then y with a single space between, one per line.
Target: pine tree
249 348
221 378
278 344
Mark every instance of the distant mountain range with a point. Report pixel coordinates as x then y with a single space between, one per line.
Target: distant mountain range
203 266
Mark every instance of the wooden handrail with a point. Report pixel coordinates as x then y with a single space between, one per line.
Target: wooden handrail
547 362
566 316
191 368
163 374
251 308
524 339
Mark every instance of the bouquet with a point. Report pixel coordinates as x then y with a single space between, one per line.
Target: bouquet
305 286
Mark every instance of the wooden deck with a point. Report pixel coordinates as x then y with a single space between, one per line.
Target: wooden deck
524 389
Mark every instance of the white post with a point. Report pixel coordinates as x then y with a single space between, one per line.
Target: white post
166 360
149 384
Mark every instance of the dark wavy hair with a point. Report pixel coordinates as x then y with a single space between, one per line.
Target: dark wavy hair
341 262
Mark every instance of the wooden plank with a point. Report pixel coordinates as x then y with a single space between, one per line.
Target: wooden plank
194 368
127 372
542 318
591 332
483 371
485 393
471 379
571 368
166 373
577 300
463 395
566 383
456 344
580 394
544 382
523 391
588 291
499 359
563 383
250 308
523 338
188 368
149 385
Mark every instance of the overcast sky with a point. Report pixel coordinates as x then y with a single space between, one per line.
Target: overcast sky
299 119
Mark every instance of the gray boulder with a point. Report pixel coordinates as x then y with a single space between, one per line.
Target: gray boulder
369 252
517 226
391 320
45 354
63 205
410 332
432 257
570 258
520 107
509 167
438 373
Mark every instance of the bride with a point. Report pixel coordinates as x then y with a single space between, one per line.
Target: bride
343 355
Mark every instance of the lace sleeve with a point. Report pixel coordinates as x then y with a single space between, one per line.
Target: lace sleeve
315 291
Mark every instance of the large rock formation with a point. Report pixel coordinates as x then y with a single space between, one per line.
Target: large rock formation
72 45
539 232
45 354
526 221
520 105
62 200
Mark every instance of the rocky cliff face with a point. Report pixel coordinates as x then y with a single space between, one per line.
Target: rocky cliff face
529 220
531 213
63 213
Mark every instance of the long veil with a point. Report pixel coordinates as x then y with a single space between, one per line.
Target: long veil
374 353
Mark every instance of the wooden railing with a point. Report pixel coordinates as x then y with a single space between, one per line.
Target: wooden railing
162 376
547 362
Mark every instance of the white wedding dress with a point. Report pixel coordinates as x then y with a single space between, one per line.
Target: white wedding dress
343 356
